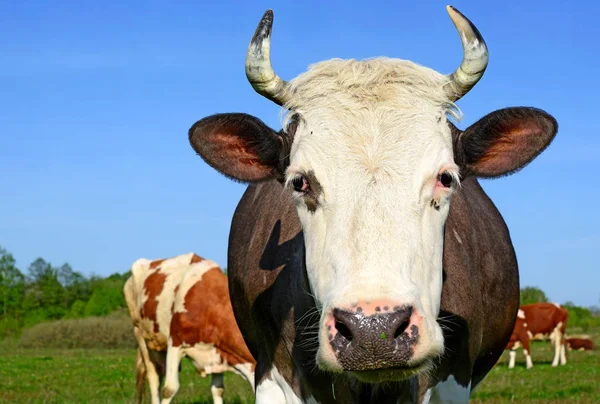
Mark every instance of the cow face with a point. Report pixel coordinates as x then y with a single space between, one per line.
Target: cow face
372 162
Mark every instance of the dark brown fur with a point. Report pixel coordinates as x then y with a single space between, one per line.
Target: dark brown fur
585 344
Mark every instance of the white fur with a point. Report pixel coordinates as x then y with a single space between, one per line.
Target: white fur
274 389
375 135
521 314
448 391
513 357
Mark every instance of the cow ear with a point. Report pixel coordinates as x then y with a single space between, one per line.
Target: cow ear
239 146
505 141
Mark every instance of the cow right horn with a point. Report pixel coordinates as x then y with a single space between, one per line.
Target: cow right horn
258 63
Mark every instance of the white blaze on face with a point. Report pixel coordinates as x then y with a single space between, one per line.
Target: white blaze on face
376 146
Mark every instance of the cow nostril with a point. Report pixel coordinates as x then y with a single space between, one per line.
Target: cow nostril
400 330
343 330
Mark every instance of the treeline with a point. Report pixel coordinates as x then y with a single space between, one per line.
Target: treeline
46 292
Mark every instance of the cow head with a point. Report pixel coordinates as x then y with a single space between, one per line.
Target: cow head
371 160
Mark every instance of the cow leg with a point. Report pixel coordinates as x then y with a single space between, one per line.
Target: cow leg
526 351
151 373
557 338
563 354
217 388
174 356
513 357
448 391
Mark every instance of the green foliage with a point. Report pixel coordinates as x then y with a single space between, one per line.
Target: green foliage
50 293
581 317
107 297
532 294
12 285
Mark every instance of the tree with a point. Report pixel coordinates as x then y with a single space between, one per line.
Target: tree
12 284
76 286
44 297
107 295
532 294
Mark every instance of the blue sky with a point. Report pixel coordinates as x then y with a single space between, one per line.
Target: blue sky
97 97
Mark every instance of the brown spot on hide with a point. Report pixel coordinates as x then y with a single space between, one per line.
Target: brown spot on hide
155 264
196 259
209 319
153 286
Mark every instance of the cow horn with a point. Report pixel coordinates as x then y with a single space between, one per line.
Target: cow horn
475 56
258 63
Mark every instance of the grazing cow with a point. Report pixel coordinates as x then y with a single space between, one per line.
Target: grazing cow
519 338
580 344
548 321
180 307
352 276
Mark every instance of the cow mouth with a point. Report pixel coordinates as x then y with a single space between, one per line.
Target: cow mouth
394 374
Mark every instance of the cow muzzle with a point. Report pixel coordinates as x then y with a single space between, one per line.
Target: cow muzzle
375 341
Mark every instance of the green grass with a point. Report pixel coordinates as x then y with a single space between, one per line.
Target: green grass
576 382
95 376
107 376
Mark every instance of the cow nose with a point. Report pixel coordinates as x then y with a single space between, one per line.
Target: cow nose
365 341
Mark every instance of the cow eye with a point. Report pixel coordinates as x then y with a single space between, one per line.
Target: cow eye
300 184
446 179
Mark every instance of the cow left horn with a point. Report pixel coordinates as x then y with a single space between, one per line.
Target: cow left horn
475 56
258 63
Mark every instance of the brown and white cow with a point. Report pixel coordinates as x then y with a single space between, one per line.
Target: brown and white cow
580 344
548 321
180 307
520 338
366 263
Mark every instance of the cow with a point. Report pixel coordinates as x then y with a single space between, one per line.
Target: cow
579 344
520 338
180 307
366 263
548 321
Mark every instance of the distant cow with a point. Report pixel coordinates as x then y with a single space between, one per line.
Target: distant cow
180 307
519 338
548 321
580 344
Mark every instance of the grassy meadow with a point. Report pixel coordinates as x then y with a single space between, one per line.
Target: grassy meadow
53 375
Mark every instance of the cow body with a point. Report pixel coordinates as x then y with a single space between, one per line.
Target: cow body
180 307
520 338
580 344
366 263
548 321
273 304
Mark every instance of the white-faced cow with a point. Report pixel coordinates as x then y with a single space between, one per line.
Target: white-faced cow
520 338
353 277
180 307
548 321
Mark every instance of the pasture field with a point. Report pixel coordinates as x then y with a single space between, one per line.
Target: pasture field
107 376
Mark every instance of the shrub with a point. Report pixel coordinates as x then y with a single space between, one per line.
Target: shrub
114 331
